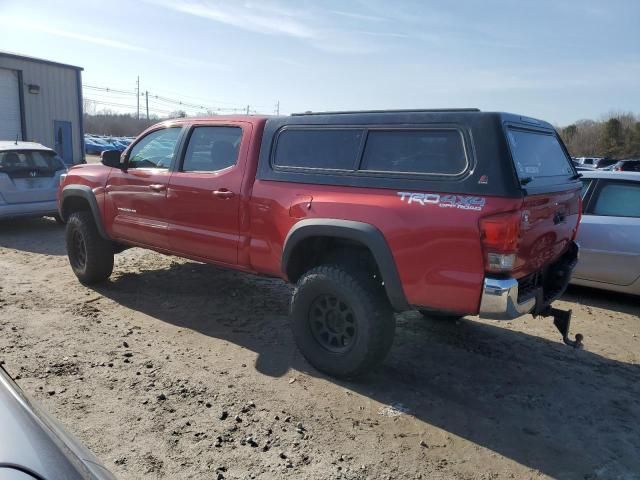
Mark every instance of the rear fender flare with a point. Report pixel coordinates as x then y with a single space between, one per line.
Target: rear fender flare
361 232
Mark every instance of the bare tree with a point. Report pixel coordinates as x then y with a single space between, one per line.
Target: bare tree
616 134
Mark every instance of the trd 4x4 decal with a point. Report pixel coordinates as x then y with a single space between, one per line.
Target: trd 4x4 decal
462 202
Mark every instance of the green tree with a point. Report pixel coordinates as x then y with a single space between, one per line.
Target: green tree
633 147
569 132
613 138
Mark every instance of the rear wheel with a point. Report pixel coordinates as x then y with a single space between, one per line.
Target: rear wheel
90 255
342 321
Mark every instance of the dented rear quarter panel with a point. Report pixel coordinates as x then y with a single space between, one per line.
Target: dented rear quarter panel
437 249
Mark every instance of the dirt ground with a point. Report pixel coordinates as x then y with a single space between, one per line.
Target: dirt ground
175 369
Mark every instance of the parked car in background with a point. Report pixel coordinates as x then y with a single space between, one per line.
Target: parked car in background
587 161
117 144
593 163
609 233
34 446
96 145
631 165
605 163
29 178
92 148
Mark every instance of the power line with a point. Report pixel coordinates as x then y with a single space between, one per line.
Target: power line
109 96
212 101
107 89
131 107
160 104
138 95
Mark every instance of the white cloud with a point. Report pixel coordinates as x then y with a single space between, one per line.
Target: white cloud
382 34
311 25
248 16
38 27
180 60
357 16
451 79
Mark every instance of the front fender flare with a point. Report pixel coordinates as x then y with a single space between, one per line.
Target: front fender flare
85 192
361 232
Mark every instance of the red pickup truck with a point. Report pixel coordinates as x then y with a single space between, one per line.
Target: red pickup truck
451 212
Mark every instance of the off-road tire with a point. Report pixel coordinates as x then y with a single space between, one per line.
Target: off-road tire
371 316
90 255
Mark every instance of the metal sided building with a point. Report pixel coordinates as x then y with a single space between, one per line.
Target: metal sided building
41 101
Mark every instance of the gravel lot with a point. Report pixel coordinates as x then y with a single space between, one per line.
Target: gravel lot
176 369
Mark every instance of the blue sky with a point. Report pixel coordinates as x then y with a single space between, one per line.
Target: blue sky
560 60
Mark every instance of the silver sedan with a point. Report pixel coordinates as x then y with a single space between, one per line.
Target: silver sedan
609 234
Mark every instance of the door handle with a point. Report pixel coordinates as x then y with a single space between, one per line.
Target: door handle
157 187
223 193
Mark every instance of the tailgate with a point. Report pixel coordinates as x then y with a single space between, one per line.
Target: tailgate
552 202
549 223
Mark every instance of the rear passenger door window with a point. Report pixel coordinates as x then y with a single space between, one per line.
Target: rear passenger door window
618 199
433 152
211 149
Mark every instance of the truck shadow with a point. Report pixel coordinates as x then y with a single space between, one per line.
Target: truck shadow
602 299
35 235
524 397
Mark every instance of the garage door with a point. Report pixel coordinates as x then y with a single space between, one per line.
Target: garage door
10 124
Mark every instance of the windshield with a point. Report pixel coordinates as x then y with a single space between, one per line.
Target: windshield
30 160
536 154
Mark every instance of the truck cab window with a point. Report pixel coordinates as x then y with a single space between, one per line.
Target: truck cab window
212 148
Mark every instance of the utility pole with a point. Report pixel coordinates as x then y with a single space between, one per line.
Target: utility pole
278 108
138 96
247 109
146 96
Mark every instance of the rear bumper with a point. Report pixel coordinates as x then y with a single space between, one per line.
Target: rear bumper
500 299
9 210
508 298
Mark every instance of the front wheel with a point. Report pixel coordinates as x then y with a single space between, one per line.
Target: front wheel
90 255
342 321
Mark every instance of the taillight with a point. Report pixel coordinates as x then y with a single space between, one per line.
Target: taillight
500 235
575 230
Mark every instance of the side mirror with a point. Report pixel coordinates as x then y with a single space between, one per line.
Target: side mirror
111 158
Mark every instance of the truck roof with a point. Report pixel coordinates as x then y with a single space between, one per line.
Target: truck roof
246 118
409 116
372 116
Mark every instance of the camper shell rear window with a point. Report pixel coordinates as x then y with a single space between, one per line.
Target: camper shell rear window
537 154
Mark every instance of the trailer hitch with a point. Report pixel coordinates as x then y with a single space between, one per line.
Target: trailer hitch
562 321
